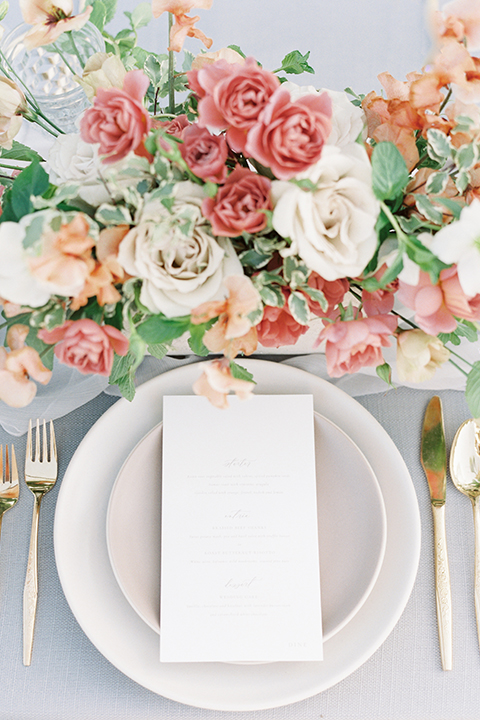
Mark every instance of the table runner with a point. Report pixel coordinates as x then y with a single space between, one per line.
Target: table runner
70 680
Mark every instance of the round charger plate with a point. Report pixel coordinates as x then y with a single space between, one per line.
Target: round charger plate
125 639
351 526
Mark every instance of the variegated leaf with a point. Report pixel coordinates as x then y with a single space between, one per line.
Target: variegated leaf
298 307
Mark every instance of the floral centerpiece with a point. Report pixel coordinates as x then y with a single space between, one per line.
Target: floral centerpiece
225 202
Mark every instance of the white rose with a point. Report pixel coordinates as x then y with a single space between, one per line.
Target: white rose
332 228
17 284
74 161
181 264
348 120
459 243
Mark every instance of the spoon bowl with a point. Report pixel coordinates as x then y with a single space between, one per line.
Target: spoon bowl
465 474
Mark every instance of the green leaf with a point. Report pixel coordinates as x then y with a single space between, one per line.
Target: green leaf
436 183
251 258
3 9
317 296
20 152
240 373
188 59
98 15
472 390
272 295
160 329
426 208
462 180
389 171
439 145
298 307
111 8
452 205
45 351
141 15
17 203
113 215
384 372
466 157
195 341
294 63
158 350
154 70
126 385
449 338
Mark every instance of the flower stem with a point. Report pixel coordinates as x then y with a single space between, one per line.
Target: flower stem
74 48
59 52
171 70
457 366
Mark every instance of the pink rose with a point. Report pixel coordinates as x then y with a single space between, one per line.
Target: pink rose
278 327
85 345
289 136
174 127
354 344
237 206
436 305
118 120
334 291
232 97
205 154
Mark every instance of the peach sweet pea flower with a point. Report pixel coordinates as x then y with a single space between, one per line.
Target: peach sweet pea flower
436 306
419 356
50 19
217 381
86 346
184 25
459 20
16 368
118 120
233 331
66 260
358 343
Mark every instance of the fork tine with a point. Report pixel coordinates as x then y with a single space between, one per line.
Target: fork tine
28 451
7 465
45 457
14 474
53 443
37 442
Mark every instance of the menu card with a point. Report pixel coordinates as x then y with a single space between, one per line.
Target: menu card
239 557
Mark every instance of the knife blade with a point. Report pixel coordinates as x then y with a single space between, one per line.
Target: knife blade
434 462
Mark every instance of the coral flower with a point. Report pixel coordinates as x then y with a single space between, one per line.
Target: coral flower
184 25
278 327
86 346
354 344
50 19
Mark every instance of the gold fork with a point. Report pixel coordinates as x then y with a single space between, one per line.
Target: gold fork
40 476
9 483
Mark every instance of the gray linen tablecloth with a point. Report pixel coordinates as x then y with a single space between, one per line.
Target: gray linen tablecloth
70 680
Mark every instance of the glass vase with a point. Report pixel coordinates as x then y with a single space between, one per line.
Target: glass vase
48 71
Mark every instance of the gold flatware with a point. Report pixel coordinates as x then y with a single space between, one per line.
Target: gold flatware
434 462
465 473
9 483
40 476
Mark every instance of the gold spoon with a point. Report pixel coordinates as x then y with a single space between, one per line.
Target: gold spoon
465 473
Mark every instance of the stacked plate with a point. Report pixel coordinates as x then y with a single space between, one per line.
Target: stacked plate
107 544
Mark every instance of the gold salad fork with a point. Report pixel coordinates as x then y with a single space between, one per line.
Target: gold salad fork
40 476
9 482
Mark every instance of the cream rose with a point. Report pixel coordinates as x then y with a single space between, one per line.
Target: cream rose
102 70
348 121
72 160
181 264
332 228
419 356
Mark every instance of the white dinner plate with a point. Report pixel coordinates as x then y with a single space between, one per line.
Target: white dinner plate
125 639
351 525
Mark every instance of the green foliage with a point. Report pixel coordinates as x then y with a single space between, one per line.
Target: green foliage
240 373
17 201
384 372
3 9
160 329
389 171
20 153
294 63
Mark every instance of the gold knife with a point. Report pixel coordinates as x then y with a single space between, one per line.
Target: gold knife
434 462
